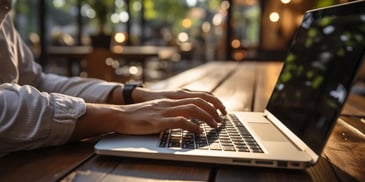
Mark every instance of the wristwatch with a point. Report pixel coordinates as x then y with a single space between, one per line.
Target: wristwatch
128 89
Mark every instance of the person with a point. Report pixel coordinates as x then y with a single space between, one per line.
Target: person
39 109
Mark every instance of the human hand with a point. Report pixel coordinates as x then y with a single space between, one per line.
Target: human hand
162 114
145 118
142 95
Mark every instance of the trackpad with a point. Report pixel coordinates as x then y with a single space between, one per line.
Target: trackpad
267 132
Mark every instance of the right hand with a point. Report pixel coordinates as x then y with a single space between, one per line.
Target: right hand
146 118
159 115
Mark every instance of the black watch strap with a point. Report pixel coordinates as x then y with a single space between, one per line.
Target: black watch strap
127 91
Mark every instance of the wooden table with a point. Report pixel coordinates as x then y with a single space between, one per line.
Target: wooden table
343 158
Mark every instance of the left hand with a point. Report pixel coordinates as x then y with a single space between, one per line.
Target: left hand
143 95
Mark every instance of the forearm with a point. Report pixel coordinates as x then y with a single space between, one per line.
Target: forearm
98 119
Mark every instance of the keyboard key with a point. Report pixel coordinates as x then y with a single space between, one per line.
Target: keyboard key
203 146
257 151
162 144
243 149
229 136
228 148
235 120
174 144
188 146
215 146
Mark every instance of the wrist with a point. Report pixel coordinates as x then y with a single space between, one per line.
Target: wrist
90 124
130 93
116 96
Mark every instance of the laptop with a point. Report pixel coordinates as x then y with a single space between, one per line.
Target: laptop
311 90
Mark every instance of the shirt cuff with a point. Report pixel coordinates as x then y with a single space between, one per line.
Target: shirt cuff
67 110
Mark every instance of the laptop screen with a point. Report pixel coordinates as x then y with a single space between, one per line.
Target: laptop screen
319 68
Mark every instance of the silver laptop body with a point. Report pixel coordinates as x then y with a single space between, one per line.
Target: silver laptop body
308 97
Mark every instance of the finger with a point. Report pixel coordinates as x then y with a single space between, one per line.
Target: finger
201 104
209 97
192 111
215 101
198 102
180 122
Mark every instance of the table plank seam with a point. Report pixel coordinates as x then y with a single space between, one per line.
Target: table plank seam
229 74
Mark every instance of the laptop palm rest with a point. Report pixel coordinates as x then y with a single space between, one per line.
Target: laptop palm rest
267 132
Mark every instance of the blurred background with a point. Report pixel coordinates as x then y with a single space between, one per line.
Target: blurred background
150 40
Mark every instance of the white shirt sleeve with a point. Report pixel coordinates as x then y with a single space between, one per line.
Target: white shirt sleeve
38 109
31 119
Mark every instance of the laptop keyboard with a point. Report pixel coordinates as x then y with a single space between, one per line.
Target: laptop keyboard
230 135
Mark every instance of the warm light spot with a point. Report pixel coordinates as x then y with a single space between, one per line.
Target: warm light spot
137 6
285 1
114 18
88 11
34 38
186 46
117 49
217 19
183 37
239 55
206 27
120 37
68 40
225 5
191 3
133 70
109 61
119 3
115 64
186 23
274 17
236 43
123 16
59 3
